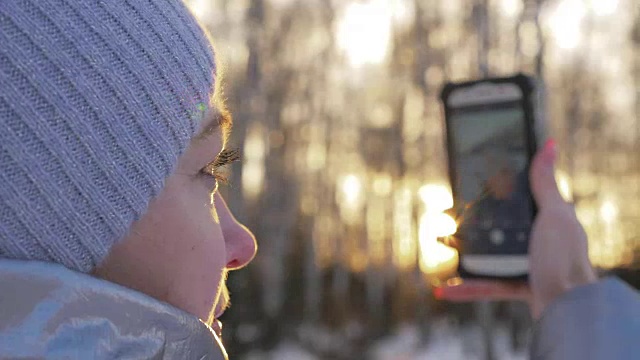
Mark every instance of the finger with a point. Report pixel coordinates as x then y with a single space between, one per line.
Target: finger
543 179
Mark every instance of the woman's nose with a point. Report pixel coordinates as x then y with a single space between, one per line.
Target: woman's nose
240 243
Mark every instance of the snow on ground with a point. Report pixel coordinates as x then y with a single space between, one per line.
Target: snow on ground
447 342
287 350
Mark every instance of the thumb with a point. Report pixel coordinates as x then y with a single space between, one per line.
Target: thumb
542 176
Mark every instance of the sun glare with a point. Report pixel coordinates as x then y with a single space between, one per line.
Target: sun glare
436 197
564 186
565 22
604 7
201 9
435 257
253 170
608 211
511 8
351 189
364 32
405 246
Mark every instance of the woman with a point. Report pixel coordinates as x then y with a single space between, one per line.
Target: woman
114 242
113 135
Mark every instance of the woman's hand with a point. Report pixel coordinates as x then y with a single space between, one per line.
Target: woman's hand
558 253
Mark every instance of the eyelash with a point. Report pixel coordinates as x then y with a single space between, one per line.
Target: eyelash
225 157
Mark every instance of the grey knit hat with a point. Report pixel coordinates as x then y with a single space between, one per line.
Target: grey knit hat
98 99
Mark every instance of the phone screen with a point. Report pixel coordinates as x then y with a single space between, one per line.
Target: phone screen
492 196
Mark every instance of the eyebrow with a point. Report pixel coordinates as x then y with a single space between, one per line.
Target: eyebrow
218 119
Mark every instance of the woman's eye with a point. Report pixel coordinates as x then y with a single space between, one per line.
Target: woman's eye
217 168
210 179
217 174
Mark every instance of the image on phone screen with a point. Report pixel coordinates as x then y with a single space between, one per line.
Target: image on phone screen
493 201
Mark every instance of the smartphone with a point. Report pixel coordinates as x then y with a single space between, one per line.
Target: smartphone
491 139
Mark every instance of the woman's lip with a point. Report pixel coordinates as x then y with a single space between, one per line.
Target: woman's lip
217 327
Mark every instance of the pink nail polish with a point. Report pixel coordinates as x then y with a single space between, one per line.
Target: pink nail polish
550 150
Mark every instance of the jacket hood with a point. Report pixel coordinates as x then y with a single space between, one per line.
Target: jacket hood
49 311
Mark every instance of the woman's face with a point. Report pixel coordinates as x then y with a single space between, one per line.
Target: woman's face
182 248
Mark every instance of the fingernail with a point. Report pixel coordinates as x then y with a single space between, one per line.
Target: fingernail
549 151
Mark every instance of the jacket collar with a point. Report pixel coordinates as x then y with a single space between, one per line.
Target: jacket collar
47 310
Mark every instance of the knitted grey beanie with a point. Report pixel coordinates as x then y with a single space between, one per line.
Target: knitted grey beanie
98 99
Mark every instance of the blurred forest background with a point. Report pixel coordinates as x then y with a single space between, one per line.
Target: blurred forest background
344 176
